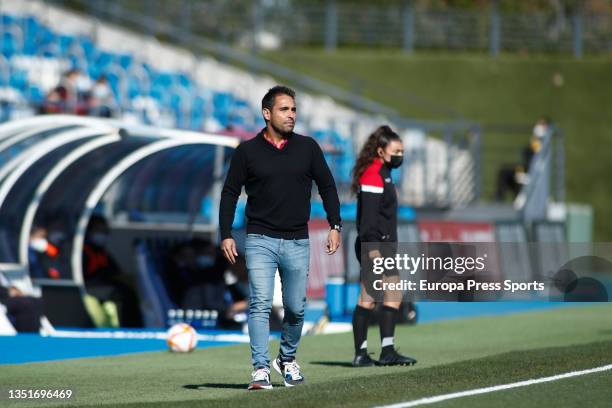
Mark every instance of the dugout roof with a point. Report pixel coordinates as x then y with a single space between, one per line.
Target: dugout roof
57 170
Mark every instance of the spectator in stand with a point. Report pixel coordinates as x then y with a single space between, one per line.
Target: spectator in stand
70 95
512 177
101 99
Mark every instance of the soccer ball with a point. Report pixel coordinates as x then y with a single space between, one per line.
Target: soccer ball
181 338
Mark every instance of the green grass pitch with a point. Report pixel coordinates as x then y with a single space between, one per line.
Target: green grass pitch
509 89
453 356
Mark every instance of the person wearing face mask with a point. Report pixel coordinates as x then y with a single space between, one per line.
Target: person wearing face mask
42 255
104 279
512 177
377 223
101 99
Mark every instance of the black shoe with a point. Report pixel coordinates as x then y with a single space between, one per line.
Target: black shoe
392 358
363 360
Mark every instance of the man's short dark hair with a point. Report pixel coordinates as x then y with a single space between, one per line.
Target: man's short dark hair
268 100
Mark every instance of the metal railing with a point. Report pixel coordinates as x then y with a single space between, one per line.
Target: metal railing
503 147
458 136
401 24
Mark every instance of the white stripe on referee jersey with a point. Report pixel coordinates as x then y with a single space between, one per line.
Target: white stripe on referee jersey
444 397
372 189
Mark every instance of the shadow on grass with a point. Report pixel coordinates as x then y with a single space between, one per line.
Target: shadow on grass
334 363
215 385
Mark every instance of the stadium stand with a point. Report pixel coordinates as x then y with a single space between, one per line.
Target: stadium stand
161 90
165 86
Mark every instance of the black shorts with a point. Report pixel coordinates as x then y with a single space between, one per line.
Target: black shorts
367 275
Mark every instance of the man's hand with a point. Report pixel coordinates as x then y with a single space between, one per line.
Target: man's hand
228 247
333 241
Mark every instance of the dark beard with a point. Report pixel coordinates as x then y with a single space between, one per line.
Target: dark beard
280 131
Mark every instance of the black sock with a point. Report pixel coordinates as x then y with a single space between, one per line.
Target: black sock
361 316
387 327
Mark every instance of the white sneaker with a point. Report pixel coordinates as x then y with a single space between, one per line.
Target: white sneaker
260 380
290 371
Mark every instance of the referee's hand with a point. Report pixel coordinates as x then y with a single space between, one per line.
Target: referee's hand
228 247
333 241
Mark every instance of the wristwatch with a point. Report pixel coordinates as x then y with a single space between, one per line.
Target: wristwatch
337 227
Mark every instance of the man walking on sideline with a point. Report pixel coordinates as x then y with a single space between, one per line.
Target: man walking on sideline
277 168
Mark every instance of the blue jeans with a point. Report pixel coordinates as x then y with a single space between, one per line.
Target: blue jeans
292 258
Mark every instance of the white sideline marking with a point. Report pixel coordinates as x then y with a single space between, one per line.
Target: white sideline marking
477 391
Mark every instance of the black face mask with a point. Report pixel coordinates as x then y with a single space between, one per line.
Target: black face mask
395 162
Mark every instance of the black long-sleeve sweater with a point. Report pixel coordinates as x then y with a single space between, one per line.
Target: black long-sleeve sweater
278 184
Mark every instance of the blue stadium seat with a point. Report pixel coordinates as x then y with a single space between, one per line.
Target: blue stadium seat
184 81
113 80
88 47
19 80
65 42
6 109
30 25
125 61
92 70
163 79
36 95
175 102
133 87
50 50
222 104
5 76
9 46
44 36
8 19
172 90
103 60
30 28
197 112
158 93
